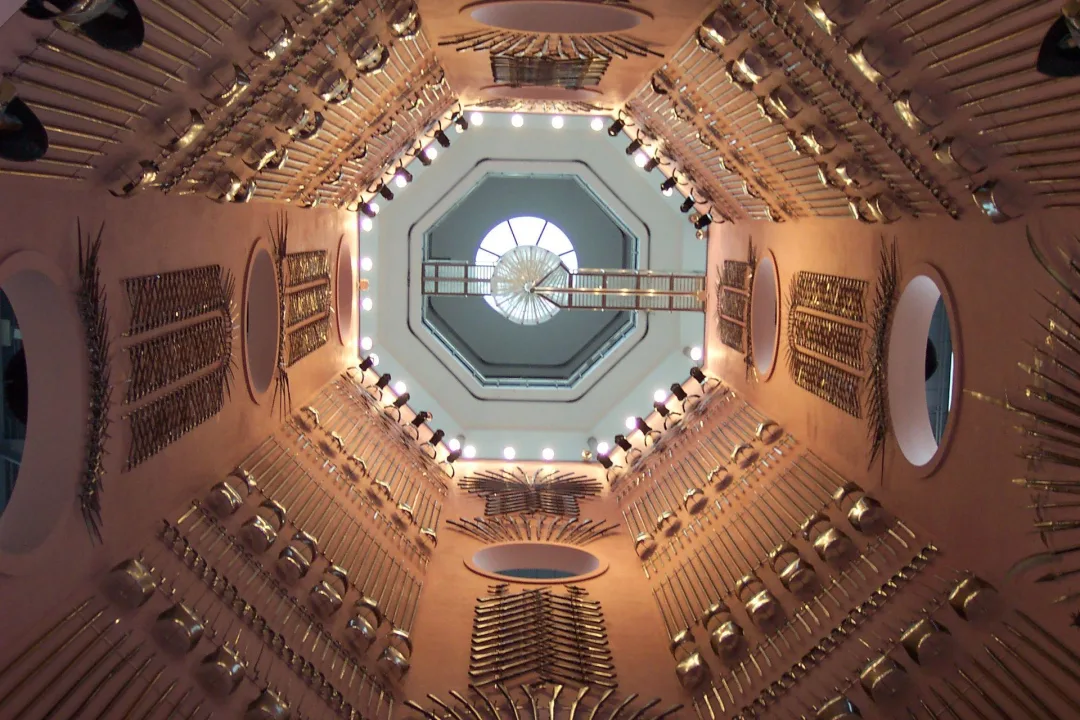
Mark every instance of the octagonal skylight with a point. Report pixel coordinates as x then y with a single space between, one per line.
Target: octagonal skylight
527 252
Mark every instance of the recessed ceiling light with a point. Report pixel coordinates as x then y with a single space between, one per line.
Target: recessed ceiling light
366 264
517 120
366 304
374 360
597 124
366 224
431 152
602 448
641 159
454 444
509 453
660 396
399 388
557 122
365 343
476 118
547 454
468 452
695 354
631 423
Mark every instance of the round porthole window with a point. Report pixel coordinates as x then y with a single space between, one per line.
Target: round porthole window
922 369
536 562
261 321
765 316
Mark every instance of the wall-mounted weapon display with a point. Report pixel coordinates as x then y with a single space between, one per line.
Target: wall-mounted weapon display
886 295
540 634
524 527
554 701
308 303
733 292
307 339
517 491
825 333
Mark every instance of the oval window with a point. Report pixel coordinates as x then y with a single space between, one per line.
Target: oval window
16 399
261 321
539 562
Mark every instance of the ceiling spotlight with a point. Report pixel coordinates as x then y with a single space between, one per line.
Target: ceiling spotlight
452 456
365 343
678 391
385 192
517 120
548 454
660 396
468 452
423 156
703 221
641 159
557 122
668 192
687 204
369 208
383 381
652 164
403 174
374 360
631 423
366 225
616 127
605 461
668 185
369 362
695 353
643 426
661 409
400 181
399 388
454 444
622 442
634 146
374 207
509 453
597 124
366 264
366 304
602 448
401 401
476 118
697 374
431 152
461 122
441 138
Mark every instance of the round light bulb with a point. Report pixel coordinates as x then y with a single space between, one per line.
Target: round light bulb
399 388
602 448
509 453
365 343
517 120
366 304
660 396
640 159
557 122
400 181
597 124
548 454
476 118
365 262
366 224
431 152
468 452
374 360
454 444
631 423
695 353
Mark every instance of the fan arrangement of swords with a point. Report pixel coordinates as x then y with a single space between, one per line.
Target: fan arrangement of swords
515 491
539 633
522 528
535 698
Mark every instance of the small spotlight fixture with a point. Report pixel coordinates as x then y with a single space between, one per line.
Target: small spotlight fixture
652 164
660 396
509 453
366 225
369 362
661 409
476 118
644 427
517 120
431 152
400 401
403 174
696 353
386 192
400 181
678 392
442 138
668 185
366 304
383 381
374 207
623 443
634 146
455 442
366 264
423 157
461 122
602 448
703 221
468 452
399 387
641 159
597 124
547 454
616 127
438 435
369 208
631 423
557 122
698 374
687 204
374 360
365 343
452 456
605 461
420 418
